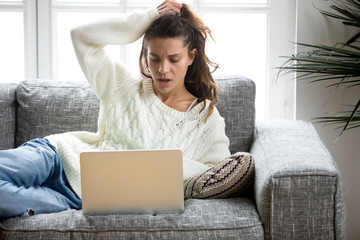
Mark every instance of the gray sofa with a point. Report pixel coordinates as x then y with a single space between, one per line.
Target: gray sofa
297 194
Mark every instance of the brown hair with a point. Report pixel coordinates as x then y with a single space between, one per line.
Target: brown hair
198 79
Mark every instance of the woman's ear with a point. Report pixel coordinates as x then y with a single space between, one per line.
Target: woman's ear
192 56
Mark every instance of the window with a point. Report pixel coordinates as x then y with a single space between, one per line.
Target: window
18 40
12 46
36 40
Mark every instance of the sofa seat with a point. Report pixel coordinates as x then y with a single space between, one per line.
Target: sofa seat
202 219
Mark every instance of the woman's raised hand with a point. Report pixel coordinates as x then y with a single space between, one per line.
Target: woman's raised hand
169 6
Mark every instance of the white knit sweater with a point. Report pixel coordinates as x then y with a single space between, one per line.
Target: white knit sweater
131 115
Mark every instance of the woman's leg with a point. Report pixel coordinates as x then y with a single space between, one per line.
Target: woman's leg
32 181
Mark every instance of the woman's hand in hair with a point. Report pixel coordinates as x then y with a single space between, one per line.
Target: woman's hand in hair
169 6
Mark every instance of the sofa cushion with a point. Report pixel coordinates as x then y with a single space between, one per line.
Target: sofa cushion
7 115
47 107
202 219
237 106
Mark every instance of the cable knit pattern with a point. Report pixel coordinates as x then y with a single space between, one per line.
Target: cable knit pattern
131 115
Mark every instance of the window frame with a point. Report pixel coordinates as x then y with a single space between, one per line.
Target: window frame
28 8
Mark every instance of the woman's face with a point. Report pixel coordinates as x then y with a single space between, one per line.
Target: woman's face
168 61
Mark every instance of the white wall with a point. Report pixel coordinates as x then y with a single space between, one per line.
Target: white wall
314 99
281 43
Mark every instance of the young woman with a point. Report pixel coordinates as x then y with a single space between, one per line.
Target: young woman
170 106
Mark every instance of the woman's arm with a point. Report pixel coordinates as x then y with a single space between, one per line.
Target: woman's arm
215 143
226 175
212 147
105 76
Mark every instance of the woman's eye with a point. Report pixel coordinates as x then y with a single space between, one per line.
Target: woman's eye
174 60
154 60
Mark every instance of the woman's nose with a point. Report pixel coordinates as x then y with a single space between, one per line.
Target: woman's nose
164 67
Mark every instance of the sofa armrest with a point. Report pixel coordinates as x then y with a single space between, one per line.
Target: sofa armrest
298 187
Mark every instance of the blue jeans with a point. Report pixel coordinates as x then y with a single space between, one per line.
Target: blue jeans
32 181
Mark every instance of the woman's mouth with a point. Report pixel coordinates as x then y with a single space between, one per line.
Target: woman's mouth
164 81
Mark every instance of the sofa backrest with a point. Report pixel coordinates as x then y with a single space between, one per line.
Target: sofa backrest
47 107
7 115
237 106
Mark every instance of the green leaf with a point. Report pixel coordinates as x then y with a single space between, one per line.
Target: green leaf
352 115
353 39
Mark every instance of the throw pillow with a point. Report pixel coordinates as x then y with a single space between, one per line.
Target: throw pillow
231 176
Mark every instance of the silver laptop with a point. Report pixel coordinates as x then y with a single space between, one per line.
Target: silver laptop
134 181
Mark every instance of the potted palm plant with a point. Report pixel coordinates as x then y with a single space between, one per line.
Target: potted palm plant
337 65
